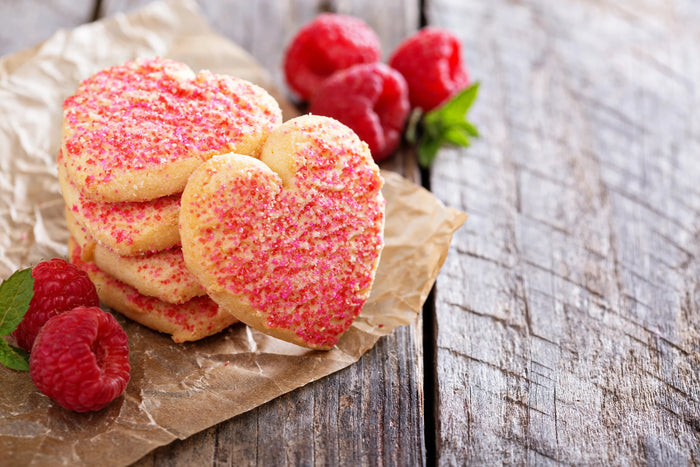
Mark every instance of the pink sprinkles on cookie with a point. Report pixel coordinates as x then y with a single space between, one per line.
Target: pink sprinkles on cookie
124 219
168 269
306 257
195 317
123 222
152 112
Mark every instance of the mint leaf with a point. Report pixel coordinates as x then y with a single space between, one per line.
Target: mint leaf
457 136
13 357
469 128
454 110
15 294
447 124
427 150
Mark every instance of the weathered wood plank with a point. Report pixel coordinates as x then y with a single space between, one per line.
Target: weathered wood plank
568 311
29 22
372 412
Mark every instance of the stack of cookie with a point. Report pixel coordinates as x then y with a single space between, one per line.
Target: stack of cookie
132 135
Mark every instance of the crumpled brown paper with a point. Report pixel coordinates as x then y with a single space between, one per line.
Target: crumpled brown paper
176 390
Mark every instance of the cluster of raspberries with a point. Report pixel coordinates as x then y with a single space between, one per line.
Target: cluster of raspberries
333 63
78 353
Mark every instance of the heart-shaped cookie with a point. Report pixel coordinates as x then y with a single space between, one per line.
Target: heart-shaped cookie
136 131
161 274
192 320
289 244
127 227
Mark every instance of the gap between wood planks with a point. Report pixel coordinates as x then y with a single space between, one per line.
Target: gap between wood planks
430 388
429 361
96 11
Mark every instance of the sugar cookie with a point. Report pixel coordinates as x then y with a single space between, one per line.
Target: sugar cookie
81 236
136 131
190 321
161 274
128 228
289 243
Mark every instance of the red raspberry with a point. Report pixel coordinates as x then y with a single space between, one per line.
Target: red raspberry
59 286
431 61
81 359
372 99
329 43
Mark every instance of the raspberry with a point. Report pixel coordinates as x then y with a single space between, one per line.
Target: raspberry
59 286
431 61
81 359
372 99
329 43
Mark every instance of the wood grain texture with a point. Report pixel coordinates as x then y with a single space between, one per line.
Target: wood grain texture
568 311
29 22
372 412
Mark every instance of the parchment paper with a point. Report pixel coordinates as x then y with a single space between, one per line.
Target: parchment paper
176 390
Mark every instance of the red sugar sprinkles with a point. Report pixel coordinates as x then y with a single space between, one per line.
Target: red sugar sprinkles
151 118
119 225
306 256
190 320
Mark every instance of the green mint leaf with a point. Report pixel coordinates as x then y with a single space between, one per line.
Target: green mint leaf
457 136
463 101
15 294
469 128
454 111
447 124
427 150
13 357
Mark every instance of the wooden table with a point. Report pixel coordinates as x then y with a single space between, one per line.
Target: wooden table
565 324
